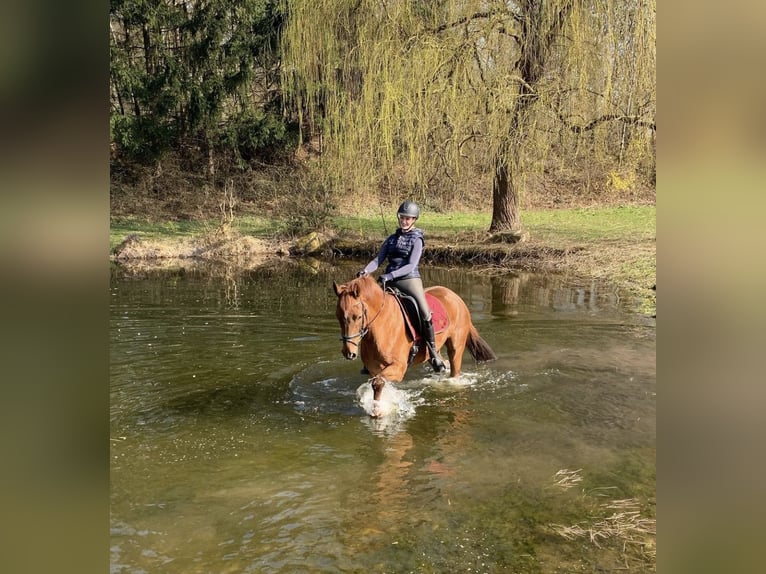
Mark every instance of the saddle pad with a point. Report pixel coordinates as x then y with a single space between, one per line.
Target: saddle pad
438 313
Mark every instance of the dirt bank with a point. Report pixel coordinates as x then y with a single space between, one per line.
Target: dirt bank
247 251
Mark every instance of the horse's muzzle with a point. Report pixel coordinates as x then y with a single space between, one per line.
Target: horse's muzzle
350 355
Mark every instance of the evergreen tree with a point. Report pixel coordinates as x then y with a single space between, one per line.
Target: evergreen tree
197 78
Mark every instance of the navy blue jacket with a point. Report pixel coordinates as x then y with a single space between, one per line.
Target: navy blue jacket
403 251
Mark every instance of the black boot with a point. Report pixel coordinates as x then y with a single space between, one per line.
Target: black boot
428 334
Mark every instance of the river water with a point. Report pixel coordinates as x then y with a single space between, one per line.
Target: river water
239 442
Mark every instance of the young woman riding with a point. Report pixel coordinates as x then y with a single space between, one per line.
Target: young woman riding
403 249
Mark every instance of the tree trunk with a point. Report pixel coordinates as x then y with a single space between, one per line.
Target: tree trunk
210 152
534 53
505 200
148 50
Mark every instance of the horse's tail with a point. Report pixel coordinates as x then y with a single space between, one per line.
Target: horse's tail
478 347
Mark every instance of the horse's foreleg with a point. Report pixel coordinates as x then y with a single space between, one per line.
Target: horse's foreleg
392 372
377 382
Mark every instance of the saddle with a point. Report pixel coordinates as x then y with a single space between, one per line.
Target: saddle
411 314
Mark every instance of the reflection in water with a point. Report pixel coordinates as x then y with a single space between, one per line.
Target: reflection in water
240 440
510 292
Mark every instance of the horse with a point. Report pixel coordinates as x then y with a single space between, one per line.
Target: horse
373 327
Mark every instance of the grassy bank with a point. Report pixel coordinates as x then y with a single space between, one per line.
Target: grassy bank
617 244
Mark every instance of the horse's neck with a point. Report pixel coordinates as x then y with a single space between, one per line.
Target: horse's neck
385 315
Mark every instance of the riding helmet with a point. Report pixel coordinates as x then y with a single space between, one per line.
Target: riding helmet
409 209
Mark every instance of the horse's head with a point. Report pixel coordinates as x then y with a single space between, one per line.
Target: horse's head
352 314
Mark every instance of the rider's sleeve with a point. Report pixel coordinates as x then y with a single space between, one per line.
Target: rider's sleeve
375 263
412 262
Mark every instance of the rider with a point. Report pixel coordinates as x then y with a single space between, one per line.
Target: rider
403 250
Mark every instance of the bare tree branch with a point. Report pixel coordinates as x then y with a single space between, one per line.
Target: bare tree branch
635 120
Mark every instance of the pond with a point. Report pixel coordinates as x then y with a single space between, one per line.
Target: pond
238 442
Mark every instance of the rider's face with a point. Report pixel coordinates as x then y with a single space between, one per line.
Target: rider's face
406 222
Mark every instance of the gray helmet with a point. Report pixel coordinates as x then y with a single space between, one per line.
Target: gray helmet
409 209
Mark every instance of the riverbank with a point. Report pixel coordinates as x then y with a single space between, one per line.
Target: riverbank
615 244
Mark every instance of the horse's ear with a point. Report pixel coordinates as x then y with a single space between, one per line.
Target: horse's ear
337 289
355 289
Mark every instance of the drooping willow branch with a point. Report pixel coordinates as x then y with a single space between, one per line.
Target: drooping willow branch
447 87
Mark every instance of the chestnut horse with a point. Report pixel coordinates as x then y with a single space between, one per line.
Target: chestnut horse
372 326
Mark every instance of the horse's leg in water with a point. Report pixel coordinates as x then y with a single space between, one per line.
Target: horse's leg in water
377 382
455 347
393 372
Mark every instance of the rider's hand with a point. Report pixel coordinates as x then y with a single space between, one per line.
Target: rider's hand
385 278
362 273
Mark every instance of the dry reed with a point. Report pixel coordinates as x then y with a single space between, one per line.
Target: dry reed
619 521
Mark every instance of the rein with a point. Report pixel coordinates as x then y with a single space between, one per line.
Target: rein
365 328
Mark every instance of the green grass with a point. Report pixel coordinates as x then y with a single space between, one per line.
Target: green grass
548 226
592 225
433 223
120 228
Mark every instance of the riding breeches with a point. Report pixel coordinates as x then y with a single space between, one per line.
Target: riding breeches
414 286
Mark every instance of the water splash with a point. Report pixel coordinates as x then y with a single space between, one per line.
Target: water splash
393 401
465 379
329 387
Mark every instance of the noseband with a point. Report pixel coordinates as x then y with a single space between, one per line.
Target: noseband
365 328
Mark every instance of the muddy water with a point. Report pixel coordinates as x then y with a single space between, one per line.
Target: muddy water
239 441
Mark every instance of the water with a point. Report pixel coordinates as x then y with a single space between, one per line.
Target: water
240 440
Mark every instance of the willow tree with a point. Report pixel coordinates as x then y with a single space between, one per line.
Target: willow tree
422 88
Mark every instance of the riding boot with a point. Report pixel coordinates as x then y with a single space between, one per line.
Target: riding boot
428 334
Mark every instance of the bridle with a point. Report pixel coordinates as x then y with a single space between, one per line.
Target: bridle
365 324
